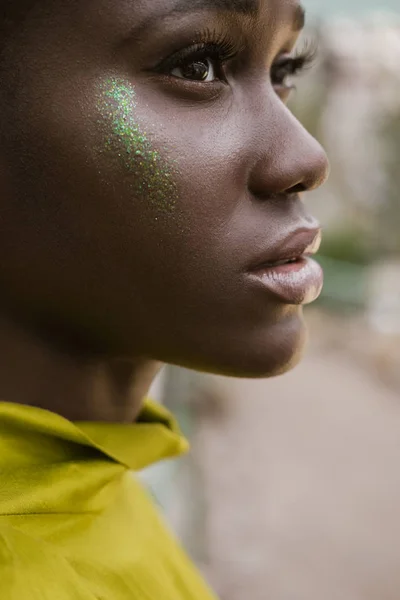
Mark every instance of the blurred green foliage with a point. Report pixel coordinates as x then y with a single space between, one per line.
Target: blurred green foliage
348 244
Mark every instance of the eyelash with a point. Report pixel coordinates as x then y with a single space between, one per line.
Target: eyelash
222 49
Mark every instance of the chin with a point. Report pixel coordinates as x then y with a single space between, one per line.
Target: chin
281 353
269 352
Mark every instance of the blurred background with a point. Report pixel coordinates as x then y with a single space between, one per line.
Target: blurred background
292 489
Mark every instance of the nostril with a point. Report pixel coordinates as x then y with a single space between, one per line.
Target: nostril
297 189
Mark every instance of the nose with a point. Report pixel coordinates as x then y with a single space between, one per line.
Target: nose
289 159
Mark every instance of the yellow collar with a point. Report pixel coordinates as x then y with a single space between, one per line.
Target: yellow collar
51 465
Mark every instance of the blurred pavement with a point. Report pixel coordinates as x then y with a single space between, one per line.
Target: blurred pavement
301 476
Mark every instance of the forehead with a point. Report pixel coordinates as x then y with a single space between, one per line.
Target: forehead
278 12
101 22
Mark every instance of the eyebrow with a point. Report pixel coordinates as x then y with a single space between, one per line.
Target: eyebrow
244 7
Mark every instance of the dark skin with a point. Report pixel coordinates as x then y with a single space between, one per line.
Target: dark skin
99 285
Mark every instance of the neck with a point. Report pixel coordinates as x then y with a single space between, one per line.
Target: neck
76 386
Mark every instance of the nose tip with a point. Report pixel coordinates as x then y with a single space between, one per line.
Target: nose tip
295 161
312 169
319 168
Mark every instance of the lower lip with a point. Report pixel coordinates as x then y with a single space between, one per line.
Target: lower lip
298 283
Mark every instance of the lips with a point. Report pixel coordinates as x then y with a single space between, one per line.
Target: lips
300 243
288 272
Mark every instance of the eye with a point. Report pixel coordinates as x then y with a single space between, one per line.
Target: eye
288 67
197 70
203 62
283 71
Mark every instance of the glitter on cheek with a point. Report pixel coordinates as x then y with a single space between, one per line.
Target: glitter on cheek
152 176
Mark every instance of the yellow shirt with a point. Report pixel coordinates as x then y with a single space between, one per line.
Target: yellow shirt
75 524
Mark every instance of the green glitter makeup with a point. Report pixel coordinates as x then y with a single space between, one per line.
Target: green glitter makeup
152 176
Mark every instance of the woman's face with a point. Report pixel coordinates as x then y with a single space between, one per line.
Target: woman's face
151 174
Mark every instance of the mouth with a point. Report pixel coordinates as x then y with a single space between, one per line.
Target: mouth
288 271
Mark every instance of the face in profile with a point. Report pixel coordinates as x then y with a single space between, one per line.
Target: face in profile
151 173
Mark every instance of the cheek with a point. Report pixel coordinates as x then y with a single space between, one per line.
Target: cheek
168 157
180 173
126 142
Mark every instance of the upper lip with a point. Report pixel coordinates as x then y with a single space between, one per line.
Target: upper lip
300 242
